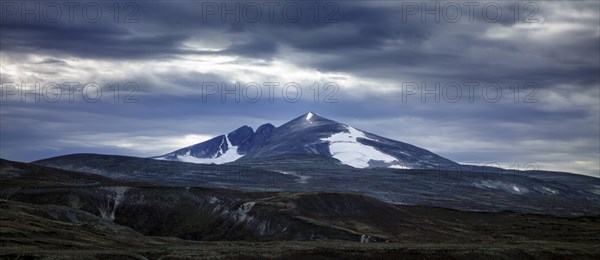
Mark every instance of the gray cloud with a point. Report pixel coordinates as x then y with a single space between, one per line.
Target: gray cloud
366 47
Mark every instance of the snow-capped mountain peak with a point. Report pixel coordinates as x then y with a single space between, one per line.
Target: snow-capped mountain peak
309 135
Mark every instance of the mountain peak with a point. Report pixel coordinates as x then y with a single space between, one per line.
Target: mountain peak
310 117
240 135
265 127
310 135
308 120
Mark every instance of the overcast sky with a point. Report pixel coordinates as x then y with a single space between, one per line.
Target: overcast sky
375 66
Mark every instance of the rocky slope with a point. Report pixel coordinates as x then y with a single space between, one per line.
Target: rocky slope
46 210
520 191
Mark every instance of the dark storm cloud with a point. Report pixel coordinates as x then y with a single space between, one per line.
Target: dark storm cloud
108 42
355 25
366 39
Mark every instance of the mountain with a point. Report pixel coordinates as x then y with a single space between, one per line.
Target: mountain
309 135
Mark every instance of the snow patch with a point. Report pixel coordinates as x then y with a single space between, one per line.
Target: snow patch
515 188
301 178
309 116
345 147
226 155
499 185
553 191
398 166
